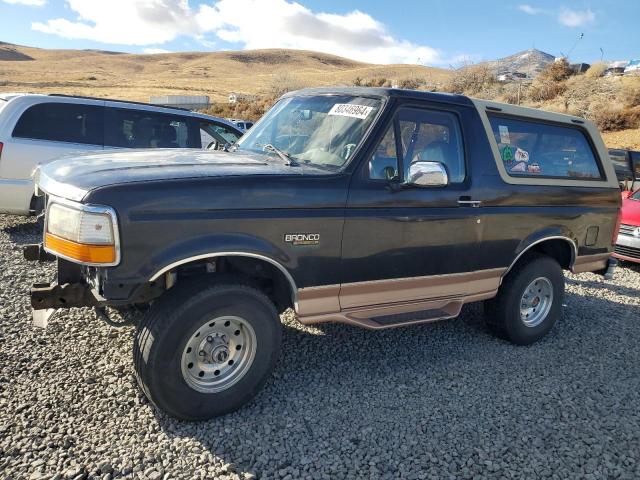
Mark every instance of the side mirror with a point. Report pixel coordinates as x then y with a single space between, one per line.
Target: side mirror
427 174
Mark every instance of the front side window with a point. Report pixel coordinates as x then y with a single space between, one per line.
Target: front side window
213 132
534 149
425 136
62 122
322 130
127 128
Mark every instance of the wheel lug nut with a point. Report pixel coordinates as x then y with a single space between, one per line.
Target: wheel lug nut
209 338
202 353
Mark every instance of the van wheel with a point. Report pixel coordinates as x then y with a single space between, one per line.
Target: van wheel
203 351
529 301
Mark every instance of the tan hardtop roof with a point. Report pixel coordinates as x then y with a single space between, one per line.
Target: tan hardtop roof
518 110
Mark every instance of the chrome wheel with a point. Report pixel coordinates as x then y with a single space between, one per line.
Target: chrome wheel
536 302
218 354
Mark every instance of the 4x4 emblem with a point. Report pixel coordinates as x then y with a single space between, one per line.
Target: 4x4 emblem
302 238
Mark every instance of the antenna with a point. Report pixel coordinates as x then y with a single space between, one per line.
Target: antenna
601 53
575 44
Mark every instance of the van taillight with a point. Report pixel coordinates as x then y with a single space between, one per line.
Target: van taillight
1 145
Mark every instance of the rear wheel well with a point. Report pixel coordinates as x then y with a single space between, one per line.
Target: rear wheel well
558 249
256 272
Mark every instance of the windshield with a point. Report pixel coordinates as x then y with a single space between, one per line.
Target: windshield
322 130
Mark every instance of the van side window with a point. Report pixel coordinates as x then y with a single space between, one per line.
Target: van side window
535 149
129 128
62 122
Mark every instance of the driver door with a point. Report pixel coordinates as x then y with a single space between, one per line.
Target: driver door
426 235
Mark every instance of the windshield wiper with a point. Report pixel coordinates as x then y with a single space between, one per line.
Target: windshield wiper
286 156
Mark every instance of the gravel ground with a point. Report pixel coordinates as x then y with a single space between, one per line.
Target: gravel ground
445 400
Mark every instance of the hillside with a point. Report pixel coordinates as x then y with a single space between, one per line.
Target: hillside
136 77
531 62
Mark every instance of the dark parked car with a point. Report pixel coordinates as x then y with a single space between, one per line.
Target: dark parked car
372 207
627 166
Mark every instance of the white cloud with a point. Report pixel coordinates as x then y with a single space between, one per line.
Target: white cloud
30 3
529 10
248 23
154 51
576 18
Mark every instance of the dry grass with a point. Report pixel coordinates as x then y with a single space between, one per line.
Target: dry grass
137 77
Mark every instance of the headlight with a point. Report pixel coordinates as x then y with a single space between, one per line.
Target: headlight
84 234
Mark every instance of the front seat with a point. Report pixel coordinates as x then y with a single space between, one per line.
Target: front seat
442 152
168 137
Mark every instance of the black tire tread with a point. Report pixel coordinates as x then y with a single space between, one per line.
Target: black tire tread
156 320
496 308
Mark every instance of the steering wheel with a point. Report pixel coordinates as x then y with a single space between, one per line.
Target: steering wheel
213 145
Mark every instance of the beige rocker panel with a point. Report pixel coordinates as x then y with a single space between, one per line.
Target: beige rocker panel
360 303
591 263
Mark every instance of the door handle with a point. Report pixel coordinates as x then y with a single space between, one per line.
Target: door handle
467 202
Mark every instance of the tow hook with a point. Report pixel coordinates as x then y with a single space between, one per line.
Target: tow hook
101 314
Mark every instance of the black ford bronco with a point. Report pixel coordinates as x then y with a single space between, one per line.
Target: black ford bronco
372 207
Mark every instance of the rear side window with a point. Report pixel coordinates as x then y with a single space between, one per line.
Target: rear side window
127 128
62 122
533 149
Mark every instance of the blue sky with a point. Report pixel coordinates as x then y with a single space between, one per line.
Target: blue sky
435 32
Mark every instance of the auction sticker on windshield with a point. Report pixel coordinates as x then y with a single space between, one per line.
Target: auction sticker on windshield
350 110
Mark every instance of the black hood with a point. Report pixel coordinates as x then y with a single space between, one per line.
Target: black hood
72 177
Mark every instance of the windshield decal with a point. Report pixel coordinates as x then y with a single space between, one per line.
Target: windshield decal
350 110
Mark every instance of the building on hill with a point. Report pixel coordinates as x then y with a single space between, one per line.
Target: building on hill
191 102
235 97
632 68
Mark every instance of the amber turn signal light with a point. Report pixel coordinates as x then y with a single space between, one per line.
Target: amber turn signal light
78 251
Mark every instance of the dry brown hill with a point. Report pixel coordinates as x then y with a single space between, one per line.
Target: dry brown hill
136 77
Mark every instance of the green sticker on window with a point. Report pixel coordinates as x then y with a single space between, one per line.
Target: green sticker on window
507 154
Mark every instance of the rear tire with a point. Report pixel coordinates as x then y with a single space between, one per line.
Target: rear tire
529 301
203 350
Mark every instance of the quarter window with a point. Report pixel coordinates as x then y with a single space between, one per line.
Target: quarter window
62 122
533 149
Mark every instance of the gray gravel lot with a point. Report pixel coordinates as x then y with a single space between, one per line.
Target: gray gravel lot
445 400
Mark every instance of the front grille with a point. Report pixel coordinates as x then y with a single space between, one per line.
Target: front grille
626 229
628 251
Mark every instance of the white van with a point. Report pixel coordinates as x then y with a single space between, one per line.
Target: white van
35 129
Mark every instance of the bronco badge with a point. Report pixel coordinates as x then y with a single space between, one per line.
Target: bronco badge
302 238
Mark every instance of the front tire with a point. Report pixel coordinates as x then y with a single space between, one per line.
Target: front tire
203 349
529 301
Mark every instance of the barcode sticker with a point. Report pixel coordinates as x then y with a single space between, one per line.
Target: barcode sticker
350 110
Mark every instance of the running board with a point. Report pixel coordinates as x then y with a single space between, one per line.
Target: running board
388 316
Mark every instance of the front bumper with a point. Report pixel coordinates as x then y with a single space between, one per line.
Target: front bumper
627 248
68 290
68 295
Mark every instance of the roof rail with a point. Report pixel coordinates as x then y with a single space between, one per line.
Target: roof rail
118 101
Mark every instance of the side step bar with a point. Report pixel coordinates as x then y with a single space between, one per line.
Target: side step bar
395 315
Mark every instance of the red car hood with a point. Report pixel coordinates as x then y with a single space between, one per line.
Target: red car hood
630 211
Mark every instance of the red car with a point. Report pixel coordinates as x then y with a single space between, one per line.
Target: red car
628 243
